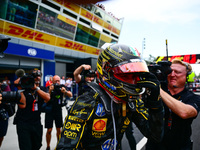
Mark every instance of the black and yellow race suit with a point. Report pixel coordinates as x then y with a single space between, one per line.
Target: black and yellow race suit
89 124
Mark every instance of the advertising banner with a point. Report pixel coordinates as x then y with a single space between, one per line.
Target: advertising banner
190 58
28 51
34 35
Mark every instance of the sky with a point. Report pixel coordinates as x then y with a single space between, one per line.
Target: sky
177 21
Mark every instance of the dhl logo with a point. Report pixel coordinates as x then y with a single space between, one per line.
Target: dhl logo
30 34
90 16
68 5
14 30
95 19
71 45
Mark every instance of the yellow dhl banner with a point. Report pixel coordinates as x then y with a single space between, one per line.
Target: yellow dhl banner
115 30
88 15
88 30
91 17
26 33
99 21
69 21
69 5
106 38
76 46
34 35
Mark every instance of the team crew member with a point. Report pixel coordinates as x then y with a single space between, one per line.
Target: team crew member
83 79
28 120
181 108
56 91
5 108
99 117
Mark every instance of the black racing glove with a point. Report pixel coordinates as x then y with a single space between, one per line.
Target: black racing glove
152 85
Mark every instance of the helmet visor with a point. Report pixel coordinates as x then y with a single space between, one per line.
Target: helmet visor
128 78
134 66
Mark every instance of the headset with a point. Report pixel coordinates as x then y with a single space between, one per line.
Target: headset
187 69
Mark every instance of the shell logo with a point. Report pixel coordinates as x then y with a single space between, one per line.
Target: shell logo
32 51
99 125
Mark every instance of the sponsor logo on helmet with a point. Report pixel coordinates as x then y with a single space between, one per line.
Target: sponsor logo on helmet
104 55
115 53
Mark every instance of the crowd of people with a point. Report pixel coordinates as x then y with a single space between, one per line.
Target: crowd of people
120 92
34 100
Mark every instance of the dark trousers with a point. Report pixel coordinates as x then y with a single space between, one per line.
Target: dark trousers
29 136
160 146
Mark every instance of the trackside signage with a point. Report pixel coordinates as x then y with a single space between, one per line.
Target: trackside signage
18 31
29 51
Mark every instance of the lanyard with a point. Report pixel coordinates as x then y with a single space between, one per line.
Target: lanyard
35 102
169 123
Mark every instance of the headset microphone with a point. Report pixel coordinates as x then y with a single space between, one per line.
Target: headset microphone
178 86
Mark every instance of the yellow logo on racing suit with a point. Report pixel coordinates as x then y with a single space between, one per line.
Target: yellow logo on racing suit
76 112
71 135
73 126
126 121
75 119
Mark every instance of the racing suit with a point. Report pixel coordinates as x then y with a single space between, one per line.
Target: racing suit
89 123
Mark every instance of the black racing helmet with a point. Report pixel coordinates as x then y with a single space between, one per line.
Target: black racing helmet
119 67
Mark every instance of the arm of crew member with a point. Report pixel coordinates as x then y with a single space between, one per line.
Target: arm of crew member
44 95
77 72
184 111
65 92
22 101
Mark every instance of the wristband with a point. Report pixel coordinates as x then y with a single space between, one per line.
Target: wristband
37 88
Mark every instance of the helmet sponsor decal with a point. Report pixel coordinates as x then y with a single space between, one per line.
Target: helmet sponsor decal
115 53
99 69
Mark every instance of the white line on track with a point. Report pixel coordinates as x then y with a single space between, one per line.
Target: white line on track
141 143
